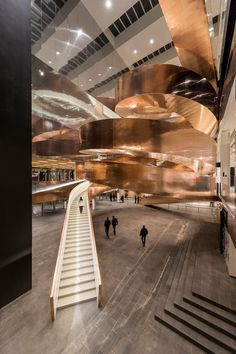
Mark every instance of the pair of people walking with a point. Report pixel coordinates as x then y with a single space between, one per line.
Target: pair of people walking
108 223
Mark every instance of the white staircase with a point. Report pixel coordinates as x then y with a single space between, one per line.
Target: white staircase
77 276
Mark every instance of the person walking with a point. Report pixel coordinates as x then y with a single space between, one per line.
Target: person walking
114 222
135 199
107 224
143 235
81 205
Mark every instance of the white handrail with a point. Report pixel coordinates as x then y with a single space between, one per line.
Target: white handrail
81 188
95 259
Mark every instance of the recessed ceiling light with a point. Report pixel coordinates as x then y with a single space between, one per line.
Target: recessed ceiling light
57 53
109 67
68 43
49 62
41 72
151 41
90 79
135 51
108 4
99 74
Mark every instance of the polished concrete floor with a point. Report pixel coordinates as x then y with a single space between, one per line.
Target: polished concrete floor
131 275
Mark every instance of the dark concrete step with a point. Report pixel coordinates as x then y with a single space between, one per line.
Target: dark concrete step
207 318
211 282
175 260
204 308
210 333
211 309
185 285
177 285
176 293
186 332
221 306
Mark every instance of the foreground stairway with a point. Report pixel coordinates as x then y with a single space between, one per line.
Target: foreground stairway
209 325
77 283
77 276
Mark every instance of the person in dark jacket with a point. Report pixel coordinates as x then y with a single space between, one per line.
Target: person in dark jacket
143 234
114 222
107 224
81 205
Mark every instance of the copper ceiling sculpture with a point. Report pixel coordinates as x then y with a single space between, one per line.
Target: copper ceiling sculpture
160 141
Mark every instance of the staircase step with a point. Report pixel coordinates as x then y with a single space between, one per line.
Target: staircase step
77 249
77 272
77 231
211 309
78 242
78 239
74 289
75 266
207 318
76 299
77 254
200 305
210 333
77 213
186 332
77 260
78 235
78 226
176 293
77 280
221 306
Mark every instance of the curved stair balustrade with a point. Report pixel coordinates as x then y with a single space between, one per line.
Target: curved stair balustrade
77 277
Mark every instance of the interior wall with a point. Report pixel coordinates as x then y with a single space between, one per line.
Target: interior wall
15 150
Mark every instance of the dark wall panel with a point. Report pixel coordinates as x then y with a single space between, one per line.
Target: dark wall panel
15 150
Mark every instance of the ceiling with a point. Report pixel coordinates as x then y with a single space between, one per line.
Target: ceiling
93 42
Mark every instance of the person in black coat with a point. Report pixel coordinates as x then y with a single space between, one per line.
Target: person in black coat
143 234
114 222
107 224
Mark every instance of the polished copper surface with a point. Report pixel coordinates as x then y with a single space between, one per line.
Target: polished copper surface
150 105
167 79
146 179
59 193
149 138
162 145
96 189
188 26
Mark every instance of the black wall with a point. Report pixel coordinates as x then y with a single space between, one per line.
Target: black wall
15 150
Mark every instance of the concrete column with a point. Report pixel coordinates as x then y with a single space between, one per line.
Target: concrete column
15 151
